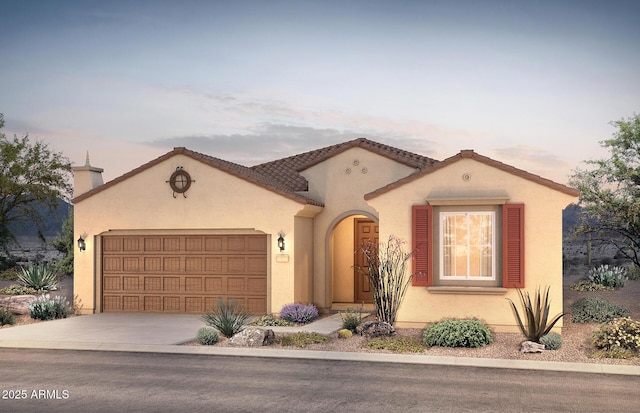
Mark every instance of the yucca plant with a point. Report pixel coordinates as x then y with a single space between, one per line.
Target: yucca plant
228 317
536 315
39 276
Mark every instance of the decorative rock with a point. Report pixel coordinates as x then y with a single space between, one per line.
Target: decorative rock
531 347
253 337
17 304
371 329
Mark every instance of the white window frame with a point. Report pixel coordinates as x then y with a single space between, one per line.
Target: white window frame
442 217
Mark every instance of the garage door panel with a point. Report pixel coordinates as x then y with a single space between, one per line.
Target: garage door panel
179 274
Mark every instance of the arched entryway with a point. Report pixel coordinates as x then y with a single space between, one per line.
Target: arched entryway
346 236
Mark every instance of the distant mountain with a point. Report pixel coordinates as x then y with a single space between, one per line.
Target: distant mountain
51 225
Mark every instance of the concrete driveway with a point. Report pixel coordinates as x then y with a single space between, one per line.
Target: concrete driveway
93 331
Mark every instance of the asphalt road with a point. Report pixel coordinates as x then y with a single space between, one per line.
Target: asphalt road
83 381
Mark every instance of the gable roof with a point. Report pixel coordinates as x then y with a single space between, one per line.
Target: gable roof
231 168
286 170
469 154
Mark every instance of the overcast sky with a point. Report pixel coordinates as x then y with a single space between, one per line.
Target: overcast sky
530 83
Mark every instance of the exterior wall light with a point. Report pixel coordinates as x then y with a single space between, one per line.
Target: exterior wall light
82 245
281 242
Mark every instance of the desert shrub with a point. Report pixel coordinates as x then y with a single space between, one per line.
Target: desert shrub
396 344
301 339
299 313
40 276
551 341
6 317
634 273
386 269
596 309
227 316
621 334
10 274
536 314
609 276
271 321
345 333
15 289
207 336
457 333
46 308
584 285
351 319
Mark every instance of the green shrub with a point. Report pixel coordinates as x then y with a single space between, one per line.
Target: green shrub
622 334
345 333
634 273
596 309
536 315
615 277
458 333
38 276
584 285
6 317
15 289
46 308
228 317
271 321
207 336
301 339
396 344
351 319
551 341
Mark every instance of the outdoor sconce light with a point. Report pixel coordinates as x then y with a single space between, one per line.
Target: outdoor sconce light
82 245
281 242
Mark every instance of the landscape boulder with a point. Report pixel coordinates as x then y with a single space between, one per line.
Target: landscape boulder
531 347
253 337
371 329
17 304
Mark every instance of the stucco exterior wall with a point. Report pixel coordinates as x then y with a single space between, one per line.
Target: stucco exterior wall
303 260
543 240
340 183
216 201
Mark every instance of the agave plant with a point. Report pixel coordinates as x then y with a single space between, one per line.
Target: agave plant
39 276
536 314
228 317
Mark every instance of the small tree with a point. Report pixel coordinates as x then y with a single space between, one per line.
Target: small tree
64 244
30 174
387 276
610 192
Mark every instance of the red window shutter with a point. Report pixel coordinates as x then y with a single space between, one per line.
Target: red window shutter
513 245
422 223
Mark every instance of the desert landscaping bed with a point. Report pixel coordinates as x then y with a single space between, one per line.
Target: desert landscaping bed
576 344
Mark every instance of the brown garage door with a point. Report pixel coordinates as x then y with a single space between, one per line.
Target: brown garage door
183 273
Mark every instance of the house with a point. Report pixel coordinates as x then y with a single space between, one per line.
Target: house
185 228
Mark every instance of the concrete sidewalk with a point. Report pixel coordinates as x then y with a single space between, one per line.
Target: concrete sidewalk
162 333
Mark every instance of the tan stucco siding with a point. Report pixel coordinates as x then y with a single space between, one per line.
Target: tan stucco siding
543 239
341 184
215 201
303 260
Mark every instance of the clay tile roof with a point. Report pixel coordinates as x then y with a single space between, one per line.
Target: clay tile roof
480 158
286 171
237 170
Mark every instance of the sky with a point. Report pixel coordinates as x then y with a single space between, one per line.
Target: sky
533 84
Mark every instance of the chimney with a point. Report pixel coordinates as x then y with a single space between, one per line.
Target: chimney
86 178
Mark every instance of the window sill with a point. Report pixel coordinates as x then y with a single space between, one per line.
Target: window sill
468 290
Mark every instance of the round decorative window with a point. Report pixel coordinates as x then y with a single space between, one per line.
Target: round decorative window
180 181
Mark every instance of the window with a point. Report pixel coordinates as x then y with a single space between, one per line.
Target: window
467 245
482 245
